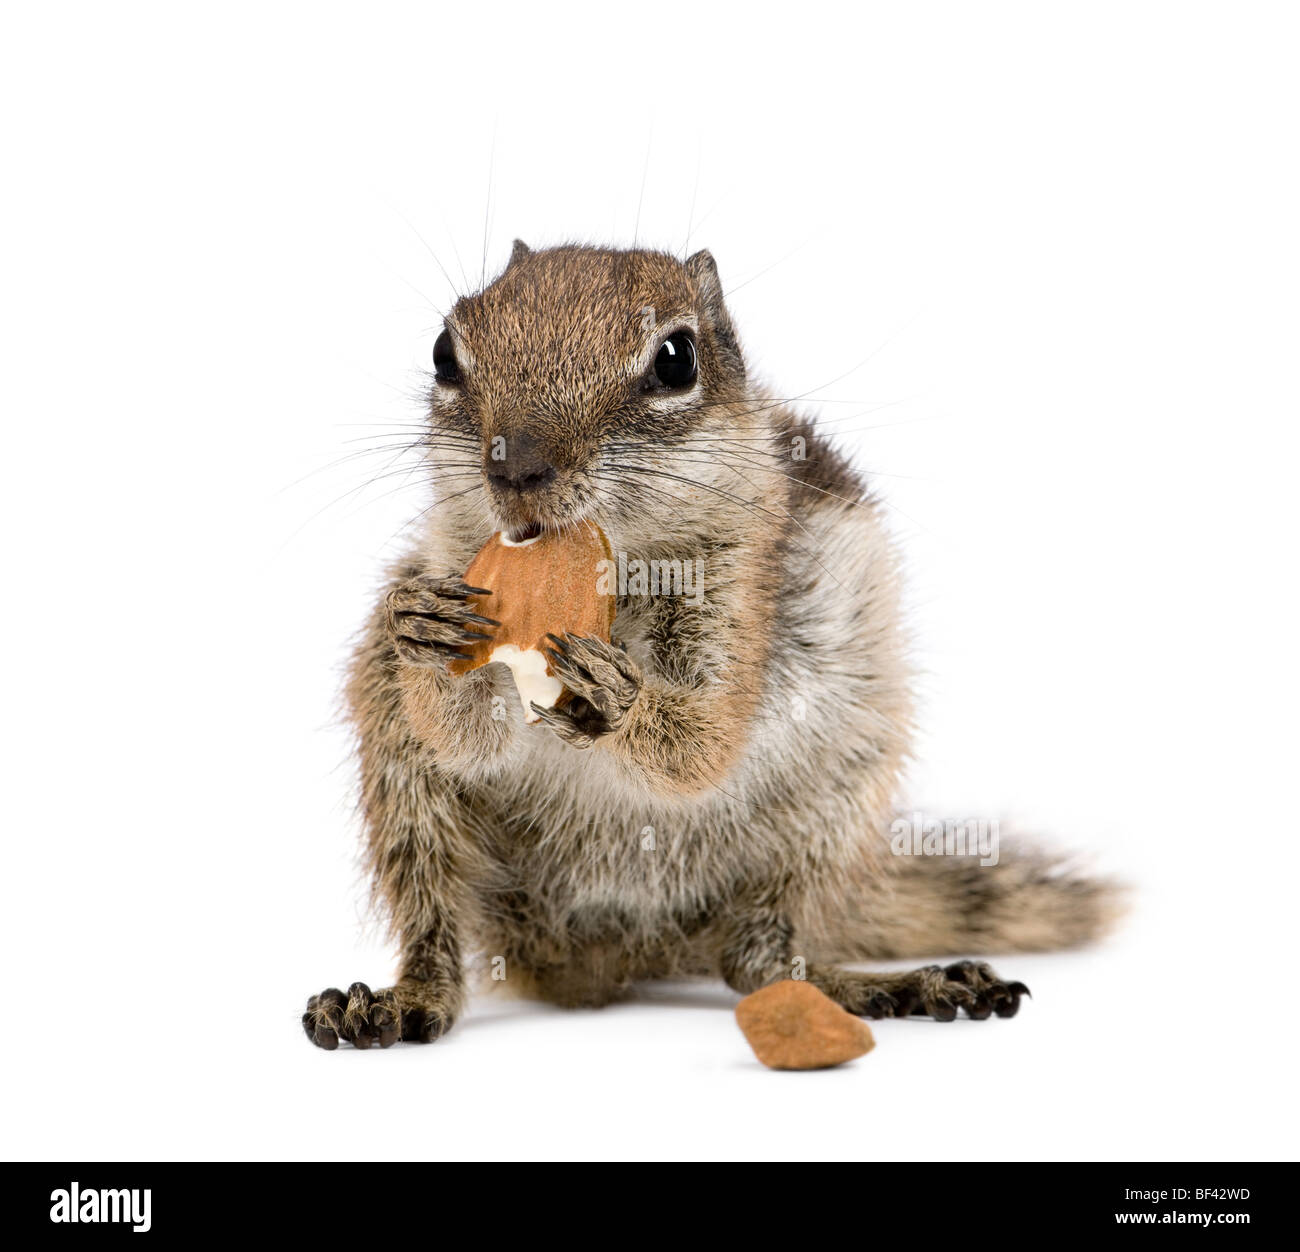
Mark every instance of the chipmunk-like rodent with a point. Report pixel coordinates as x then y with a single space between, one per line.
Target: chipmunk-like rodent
716 796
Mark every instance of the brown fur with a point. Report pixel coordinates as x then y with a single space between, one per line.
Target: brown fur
717 797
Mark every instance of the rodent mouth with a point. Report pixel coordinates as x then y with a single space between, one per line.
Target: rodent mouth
521 520
521 534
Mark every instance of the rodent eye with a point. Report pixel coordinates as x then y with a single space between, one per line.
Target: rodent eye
675 364
445 369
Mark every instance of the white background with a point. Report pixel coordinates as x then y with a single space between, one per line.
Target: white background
1063 240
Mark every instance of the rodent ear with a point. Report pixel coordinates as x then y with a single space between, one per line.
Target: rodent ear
704 270
517 253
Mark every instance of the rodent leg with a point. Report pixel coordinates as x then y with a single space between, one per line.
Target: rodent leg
419 1008
425 623
416 828
758 951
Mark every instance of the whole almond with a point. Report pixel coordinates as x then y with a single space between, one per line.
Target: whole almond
792 1025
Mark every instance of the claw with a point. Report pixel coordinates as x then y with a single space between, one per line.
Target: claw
323 1019
384 1018
882 1004
431 1028
907 1002
563 725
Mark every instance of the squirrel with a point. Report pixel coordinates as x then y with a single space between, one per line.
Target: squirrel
716 797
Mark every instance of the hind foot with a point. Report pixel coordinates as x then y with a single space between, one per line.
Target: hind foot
932 991
992 995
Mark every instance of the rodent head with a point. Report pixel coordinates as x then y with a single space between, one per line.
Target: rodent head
574 361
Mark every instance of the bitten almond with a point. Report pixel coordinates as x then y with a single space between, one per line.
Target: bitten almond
538 586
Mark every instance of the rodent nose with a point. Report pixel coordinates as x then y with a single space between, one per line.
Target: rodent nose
523 468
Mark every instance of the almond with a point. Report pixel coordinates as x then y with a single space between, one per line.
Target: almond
543 585
792 1025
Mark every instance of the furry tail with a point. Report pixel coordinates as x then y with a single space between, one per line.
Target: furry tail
1030 901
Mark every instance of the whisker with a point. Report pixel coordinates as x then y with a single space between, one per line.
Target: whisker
450 282
487 208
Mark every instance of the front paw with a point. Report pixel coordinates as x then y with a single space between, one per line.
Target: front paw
604 681
430 621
